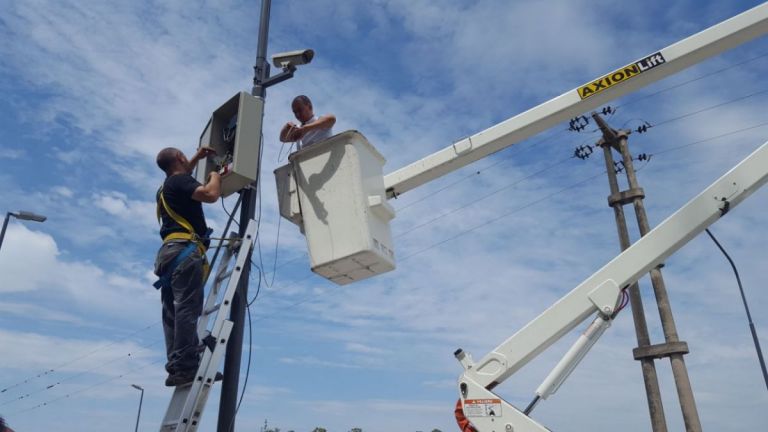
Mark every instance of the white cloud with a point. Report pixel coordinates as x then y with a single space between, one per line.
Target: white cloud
12 154
413 77
63 191
32 262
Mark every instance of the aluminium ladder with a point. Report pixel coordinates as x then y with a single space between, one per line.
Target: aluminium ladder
188 401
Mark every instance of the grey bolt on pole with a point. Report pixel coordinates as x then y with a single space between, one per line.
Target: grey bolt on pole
21 215
672 347
230 383
141 399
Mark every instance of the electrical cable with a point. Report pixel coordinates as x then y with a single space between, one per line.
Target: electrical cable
463 179
756 340
503 215
711 107
239 293
213 261
250 349
611 113
226 228
50 402
483 197
405 258
692 80
79 374
280 153
670 149
234 209
258 290
69 362
521 208
504 159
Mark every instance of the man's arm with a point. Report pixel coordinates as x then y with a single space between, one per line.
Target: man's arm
323 122
211 191
286 134
202 152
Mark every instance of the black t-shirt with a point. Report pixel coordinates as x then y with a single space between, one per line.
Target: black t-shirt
177 191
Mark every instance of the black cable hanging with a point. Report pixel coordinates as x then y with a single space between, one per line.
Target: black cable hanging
746 308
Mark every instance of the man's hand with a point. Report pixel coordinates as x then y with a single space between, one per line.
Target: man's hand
290 132
204 152
201 153
296 133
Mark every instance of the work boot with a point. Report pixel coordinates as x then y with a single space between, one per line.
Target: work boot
180 378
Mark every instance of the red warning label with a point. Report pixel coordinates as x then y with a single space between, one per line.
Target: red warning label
482 407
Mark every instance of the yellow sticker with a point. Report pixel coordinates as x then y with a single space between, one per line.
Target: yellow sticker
621 75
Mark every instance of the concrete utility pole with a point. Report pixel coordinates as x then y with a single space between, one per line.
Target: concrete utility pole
646 352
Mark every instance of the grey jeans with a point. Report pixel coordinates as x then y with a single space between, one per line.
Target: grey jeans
182 306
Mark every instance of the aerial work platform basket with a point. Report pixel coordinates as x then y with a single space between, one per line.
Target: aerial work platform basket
334 191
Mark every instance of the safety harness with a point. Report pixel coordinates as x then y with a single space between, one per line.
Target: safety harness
194 242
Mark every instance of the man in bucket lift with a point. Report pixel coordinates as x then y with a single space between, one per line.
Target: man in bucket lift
312 129
181 264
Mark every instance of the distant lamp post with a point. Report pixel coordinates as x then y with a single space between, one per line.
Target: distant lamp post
21 215
140 401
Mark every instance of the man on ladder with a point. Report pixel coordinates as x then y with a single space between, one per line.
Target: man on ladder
181 263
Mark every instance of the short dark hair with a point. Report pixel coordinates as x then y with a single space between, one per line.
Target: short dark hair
304 100
165 160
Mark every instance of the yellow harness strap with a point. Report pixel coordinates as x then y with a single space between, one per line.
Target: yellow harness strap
190 235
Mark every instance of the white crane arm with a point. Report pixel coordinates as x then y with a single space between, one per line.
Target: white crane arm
687 52
598 294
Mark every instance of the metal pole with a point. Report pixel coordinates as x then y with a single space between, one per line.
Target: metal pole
141 399
760 358
650 378
230 383
5 225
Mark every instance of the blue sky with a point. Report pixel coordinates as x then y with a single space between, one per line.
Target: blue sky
92 90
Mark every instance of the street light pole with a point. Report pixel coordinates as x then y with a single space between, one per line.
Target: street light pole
261 81
230 383
21 215
141 399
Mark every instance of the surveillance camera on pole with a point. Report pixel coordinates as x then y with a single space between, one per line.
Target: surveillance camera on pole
290 59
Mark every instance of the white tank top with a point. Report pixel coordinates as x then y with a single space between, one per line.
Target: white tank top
314 135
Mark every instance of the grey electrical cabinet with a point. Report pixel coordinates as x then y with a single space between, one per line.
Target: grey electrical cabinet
234 131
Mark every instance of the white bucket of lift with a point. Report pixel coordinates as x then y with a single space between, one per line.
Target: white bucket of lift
334 191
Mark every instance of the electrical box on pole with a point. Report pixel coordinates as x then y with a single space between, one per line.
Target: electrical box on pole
334 191
234 131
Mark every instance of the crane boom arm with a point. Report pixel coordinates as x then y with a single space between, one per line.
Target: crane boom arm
599 294
687 52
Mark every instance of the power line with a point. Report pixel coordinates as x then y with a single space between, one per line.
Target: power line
503 188
69 362
77 375
474 228
503 160
710 107
503 215
671 149
507 158
100 383
692 80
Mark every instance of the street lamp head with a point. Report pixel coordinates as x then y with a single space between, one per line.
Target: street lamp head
25 215
137 387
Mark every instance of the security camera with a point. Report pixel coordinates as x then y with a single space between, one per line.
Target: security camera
291 59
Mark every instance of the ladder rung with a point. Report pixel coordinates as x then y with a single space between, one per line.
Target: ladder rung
223 276
212 309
